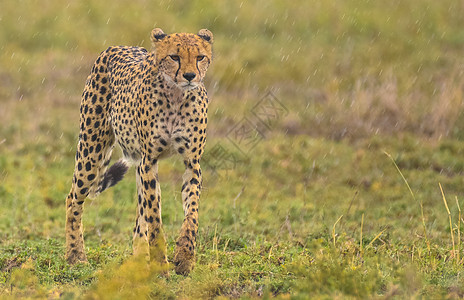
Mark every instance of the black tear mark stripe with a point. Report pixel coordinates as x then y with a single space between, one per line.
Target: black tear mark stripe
177 72
196 61
199 73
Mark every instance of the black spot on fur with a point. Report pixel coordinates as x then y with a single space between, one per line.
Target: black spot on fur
98 109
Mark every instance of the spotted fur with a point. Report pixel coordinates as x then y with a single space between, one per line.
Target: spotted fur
152 104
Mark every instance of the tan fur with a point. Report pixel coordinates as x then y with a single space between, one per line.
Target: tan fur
153 104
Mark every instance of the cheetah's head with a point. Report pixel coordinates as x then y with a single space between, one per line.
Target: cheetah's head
183 58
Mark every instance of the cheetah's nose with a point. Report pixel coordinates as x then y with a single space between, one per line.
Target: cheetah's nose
189 76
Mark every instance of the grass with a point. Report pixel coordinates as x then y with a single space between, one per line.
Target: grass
315 210
280 236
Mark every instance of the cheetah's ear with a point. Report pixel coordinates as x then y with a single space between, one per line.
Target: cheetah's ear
206 35
157 35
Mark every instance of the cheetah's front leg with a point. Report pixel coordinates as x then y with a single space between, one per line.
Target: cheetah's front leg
184 258
149 237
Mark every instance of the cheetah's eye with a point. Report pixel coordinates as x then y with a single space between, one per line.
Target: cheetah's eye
174 57
200 57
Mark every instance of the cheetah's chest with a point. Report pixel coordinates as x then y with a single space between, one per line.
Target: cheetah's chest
173 132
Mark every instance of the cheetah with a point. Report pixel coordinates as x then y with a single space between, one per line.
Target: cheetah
153 104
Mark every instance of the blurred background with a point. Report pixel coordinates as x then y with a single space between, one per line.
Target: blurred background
344 69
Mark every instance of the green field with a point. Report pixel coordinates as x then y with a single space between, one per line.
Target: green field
338 197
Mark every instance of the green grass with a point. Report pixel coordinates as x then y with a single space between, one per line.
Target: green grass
279 237
315 210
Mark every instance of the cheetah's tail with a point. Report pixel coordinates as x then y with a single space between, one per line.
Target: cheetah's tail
114 174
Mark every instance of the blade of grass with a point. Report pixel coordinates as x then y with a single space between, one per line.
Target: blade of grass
215 245
414 197
349 207
225 245
333 229
449 217
459 230
361 235
376 237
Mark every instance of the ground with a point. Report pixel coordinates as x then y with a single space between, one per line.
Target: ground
315 205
